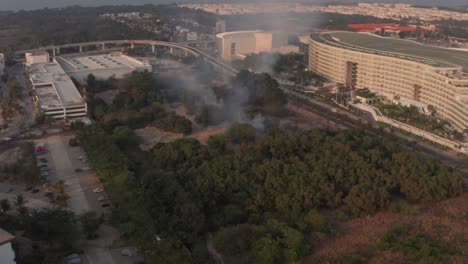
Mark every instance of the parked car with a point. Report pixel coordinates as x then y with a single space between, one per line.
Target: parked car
44 174
48 194
10 190
98 190
35 190
128 252
27 189
102 198
44 169
105 205
43 166
78 170
44 160
40 151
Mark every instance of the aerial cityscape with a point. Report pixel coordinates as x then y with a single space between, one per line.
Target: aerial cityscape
233 132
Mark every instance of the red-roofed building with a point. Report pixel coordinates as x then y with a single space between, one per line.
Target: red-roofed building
389 27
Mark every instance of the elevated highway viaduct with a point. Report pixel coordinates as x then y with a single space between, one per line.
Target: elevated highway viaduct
102 45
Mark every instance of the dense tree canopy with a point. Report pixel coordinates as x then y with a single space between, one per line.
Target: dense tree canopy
263 191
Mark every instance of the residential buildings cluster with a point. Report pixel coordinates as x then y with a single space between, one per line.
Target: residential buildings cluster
389 11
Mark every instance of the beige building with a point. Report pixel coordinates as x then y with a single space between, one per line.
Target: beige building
55 94
37 57
239 44
396 68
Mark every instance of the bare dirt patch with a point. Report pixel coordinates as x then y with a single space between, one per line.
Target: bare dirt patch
151 136
442 220
203 136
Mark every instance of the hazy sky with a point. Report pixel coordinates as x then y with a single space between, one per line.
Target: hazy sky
36 4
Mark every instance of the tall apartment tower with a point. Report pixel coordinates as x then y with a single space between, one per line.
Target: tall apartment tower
220 26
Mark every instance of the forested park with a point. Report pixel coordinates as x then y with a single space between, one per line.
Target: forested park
262 195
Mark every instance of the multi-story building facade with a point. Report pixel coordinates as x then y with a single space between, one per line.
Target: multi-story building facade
396 68
55 94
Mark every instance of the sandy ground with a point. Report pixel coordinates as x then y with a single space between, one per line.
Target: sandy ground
443 220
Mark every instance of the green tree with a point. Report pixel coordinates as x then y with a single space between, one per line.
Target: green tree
90 223
217 143
56 226
239 133
5 205
267 250
14 89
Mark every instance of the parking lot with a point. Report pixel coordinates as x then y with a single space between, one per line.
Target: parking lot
70 164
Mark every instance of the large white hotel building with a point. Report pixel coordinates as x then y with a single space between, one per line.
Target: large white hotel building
393 67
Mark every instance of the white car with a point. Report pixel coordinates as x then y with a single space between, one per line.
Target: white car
101 198
98 190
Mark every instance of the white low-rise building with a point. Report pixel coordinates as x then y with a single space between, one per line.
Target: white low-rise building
102 66
37 57
55 94
239 44
7 254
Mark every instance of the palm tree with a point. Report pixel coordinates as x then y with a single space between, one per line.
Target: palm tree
20 201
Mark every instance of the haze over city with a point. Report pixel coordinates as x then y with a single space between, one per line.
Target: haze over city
233 132
38 4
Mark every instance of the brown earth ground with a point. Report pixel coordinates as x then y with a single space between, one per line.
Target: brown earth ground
444 220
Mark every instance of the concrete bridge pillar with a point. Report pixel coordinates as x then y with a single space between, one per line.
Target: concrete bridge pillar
53 52
186 53
103 46
81 49
132 45
153 48
171 50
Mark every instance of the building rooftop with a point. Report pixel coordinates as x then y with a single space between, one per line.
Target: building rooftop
406 49
53 86
99 62
236 34
5 237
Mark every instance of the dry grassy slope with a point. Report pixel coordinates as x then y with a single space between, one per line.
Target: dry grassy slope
442 220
